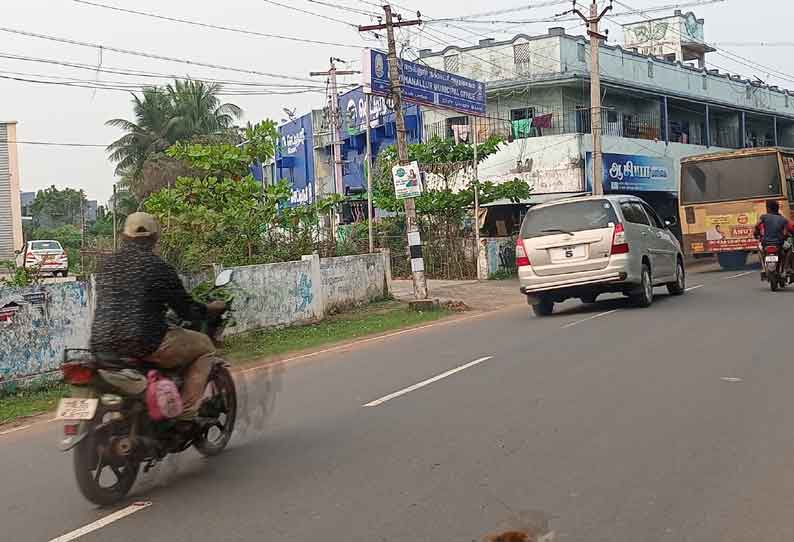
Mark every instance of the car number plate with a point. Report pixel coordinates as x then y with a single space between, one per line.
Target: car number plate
568 253
73 408
771 259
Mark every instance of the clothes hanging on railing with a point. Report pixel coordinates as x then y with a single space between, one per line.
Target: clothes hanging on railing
522 128
543 121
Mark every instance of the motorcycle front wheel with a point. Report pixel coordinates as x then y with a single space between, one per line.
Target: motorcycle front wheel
102 478
221 404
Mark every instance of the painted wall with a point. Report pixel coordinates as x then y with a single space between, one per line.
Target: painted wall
353 280
497 255
52 317
549 164
49 318
274 295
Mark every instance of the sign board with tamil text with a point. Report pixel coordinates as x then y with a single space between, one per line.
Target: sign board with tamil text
634 173
407 181
424 85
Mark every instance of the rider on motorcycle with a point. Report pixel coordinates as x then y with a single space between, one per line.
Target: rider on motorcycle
134 290
773 229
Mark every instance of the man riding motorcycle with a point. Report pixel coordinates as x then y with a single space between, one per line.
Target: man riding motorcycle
135 288
773 229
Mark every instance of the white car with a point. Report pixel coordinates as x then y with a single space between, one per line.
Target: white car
47 256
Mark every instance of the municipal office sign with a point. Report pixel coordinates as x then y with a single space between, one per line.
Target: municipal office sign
407 181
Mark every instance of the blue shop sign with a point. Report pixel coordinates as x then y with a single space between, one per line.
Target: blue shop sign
634 173
425 85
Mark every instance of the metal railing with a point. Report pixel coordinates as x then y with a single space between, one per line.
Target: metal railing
543 121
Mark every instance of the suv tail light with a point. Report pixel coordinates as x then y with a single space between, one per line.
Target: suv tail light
619 244
521 255
76 373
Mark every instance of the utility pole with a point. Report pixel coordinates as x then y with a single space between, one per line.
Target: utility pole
595 88
115 227
333 97
473 123
369 175
414 239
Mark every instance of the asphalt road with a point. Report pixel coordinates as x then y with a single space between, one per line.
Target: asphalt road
673 423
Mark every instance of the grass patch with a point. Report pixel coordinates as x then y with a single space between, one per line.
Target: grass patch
372 319
30 401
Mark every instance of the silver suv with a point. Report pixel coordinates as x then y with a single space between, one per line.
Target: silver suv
584 247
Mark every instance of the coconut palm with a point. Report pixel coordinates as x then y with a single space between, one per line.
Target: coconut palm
163 116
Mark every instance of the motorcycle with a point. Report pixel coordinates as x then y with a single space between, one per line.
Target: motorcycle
108 424
772 261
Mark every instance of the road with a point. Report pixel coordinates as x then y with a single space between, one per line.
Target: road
672 423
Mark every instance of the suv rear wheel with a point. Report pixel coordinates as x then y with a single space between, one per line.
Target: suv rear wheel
644 297
544 308
678 286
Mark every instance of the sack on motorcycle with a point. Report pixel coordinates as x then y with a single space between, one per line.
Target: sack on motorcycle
162 397
128 381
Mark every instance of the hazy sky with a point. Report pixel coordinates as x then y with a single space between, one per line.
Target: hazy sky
58 113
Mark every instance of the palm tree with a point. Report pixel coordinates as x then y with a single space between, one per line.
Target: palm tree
163 116
151 132
198 109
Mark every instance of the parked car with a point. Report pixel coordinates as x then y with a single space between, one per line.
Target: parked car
48 256
587 246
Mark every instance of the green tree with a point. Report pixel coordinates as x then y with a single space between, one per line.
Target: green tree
183 111
53 207
225 216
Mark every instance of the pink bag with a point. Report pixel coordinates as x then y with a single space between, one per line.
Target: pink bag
162 397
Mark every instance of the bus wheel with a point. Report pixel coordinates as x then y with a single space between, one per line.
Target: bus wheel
731 261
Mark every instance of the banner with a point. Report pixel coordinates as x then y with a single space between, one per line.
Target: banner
406 181
731 231
634 173
424 85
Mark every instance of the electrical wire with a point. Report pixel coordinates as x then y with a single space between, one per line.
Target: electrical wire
150 55
345 8
57 144
214 26
307 12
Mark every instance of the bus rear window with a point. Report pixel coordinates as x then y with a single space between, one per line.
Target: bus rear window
730 179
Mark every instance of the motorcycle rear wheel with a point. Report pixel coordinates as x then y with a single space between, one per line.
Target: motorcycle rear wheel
92 454
224 397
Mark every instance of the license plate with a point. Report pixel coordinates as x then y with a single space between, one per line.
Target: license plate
568 253
771 259
77 409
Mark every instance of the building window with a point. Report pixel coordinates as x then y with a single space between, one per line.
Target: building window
580 52
705 83
452 63
522 58
650 70
522 113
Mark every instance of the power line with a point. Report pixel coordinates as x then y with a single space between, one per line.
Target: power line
131 72
149 55
345 8
57 144
214 26
307 12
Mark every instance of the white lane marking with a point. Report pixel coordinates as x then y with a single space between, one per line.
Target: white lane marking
583 320
695 287
739 275
102 522
731 379
27 426
424 383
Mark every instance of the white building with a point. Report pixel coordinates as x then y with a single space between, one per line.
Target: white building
10 207
660 103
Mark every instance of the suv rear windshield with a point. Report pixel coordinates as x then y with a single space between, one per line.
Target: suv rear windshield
568 218
45 245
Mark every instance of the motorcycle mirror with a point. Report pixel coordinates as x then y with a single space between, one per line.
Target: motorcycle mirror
223 278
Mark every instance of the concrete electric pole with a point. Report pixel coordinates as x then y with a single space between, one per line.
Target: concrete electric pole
414 239
335 120
595 88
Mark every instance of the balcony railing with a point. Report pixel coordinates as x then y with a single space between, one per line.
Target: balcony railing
540 121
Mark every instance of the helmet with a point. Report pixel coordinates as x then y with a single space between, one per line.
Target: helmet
141 226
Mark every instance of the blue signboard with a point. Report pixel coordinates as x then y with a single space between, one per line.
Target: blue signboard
295 158
634 173
425 85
